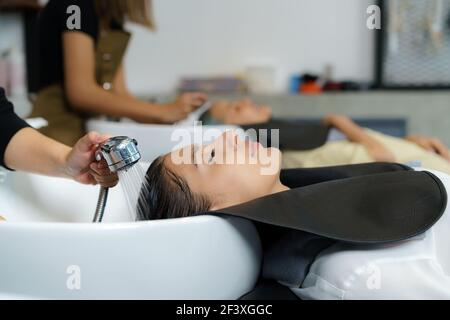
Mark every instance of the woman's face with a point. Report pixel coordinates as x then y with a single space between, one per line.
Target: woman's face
228 171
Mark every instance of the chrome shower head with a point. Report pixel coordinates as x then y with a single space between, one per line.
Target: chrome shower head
120 153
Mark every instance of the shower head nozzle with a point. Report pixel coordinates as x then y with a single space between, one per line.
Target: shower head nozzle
120 153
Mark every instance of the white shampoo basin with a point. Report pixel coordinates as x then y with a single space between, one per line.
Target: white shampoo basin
50 250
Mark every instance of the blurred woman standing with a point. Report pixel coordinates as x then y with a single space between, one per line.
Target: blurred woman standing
81 67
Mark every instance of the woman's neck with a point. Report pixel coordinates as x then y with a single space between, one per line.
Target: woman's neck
279 187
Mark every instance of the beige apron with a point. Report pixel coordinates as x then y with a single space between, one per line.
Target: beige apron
346 152
64 123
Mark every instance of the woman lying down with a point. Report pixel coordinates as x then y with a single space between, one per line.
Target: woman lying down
375 231
347 142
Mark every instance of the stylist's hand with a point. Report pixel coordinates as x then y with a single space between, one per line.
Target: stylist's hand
81 165
102 174
185 104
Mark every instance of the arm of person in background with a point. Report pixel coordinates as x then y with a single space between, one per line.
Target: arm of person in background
33 152
355 133
430 144
190 101
85 95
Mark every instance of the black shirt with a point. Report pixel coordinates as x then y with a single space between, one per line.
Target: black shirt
10 124
52 23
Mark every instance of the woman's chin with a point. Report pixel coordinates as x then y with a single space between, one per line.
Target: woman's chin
276 152
270 160
279 156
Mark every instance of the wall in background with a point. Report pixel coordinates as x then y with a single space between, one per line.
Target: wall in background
11 31
12 54
213 37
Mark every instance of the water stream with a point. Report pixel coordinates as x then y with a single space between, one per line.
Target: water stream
131 181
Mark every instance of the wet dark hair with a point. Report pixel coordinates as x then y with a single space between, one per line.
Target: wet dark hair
164 195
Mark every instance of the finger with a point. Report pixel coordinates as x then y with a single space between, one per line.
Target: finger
101 169
85 143
440 148
423 143
186 109
195 104
197 99
104 137
428 146
267 110
107 184
88 144
102 164
86 178
104 178
105 181
97 138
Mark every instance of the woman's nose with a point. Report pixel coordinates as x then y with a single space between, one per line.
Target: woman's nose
226 140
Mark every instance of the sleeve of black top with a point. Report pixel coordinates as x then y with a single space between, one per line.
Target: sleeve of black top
10 124
88 17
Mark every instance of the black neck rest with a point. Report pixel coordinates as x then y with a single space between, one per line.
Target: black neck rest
363 204
370 203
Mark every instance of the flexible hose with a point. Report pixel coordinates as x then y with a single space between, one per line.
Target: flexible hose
101 204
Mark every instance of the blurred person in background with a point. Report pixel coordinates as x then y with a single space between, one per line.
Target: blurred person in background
82 73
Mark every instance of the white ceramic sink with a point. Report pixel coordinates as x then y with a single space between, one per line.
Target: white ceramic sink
50 250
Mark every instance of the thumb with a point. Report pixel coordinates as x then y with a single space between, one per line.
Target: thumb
86 143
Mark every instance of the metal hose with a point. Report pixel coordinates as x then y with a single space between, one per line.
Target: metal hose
101 204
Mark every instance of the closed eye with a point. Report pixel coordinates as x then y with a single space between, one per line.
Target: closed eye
212 155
